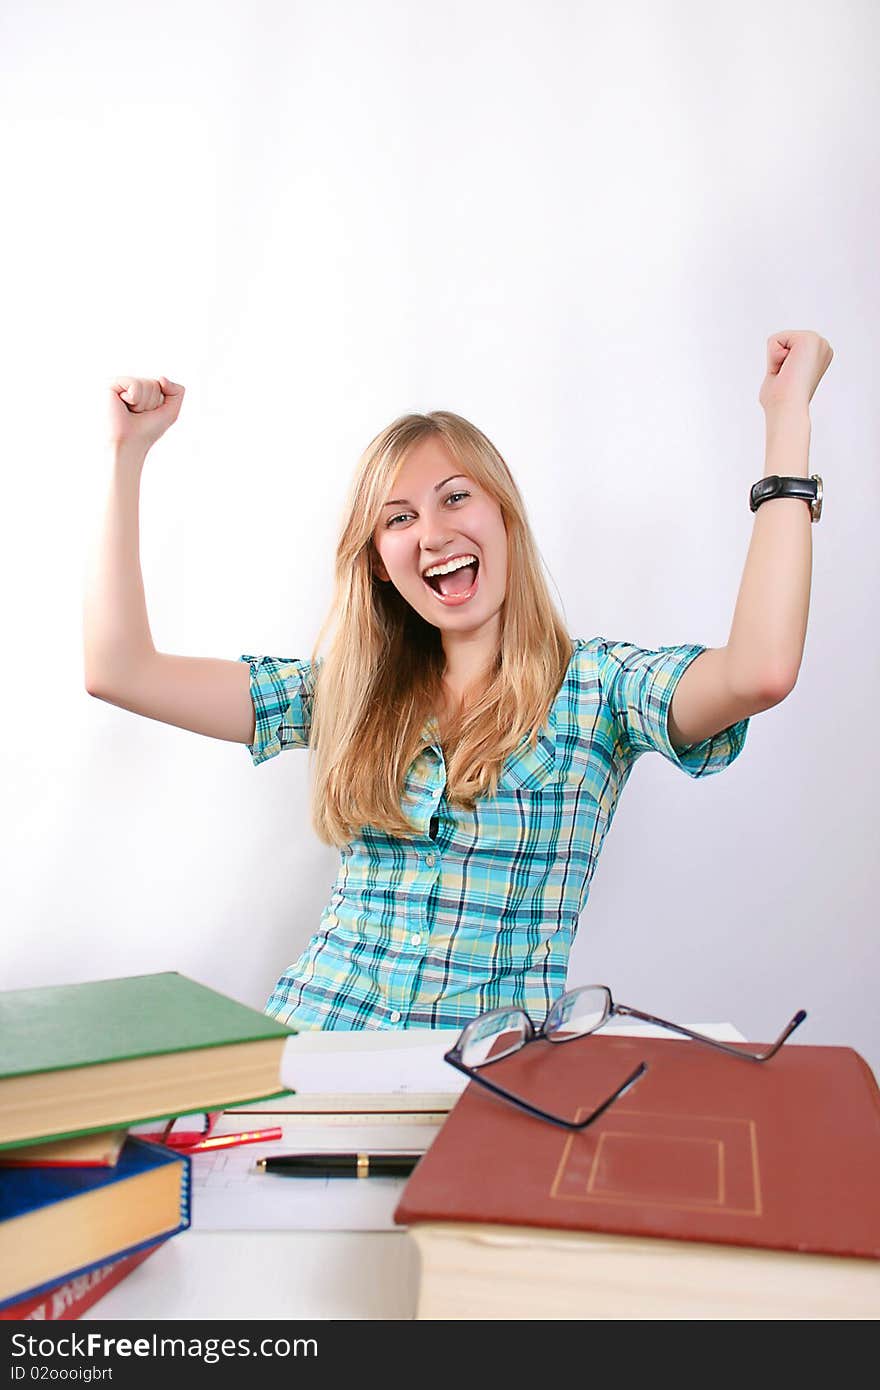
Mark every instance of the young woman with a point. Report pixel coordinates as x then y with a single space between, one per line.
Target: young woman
468 754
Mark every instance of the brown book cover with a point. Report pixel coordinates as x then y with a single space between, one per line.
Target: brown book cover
783 1155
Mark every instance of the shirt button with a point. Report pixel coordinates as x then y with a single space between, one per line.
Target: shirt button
395 1017
430 861
416 939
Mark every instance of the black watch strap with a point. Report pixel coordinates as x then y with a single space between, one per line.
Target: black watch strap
810 489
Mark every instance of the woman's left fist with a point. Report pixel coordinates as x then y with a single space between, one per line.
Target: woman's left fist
797 360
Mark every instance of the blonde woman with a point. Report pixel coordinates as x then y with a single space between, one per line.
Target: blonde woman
468 754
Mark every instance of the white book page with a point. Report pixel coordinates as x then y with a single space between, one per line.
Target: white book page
410 1061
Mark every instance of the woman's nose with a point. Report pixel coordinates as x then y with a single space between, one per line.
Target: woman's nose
434 536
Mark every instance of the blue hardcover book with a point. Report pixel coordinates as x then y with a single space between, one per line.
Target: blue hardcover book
56 1223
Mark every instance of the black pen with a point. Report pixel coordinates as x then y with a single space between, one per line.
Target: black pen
394 1164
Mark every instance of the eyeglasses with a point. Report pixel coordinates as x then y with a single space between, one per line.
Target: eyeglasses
501 1032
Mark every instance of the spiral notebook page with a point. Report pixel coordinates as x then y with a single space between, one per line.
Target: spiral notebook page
229 1192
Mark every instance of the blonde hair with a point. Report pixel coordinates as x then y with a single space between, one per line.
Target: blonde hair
382 677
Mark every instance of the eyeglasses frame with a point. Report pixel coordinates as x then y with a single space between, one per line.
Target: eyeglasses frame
533 1034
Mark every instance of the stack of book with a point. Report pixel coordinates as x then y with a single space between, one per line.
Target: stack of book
368 1074
715 1188
83 1199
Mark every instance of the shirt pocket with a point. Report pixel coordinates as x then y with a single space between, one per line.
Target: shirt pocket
531 769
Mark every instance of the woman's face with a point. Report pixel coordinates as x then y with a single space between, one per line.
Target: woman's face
436 514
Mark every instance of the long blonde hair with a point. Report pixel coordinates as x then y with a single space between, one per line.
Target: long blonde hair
382 677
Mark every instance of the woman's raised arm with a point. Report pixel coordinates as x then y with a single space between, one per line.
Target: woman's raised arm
122 665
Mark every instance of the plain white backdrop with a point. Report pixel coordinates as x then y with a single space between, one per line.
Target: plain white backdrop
574 224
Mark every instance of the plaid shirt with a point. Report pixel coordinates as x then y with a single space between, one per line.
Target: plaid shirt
479 909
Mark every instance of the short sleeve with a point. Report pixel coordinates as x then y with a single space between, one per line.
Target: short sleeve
282 691
638 684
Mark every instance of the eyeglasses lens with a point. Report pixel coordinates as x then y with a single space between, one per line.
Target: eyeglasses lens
577 1013
494 1037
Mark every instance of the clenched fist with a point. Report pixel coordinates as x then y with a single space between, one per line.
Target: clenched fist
142 410
797 360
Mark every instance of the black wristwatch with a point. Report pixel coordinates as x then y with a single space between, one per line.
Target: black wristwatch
810 489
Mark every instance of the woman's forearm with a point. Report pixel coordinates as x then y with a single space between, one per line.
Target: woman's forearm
766 641
116 630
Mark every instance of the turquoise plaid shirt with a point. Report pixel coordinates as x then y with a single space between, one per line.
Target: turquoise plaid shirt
479 909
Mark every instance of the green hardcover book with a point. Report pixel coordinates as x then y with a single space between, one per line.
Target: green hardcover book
75 1059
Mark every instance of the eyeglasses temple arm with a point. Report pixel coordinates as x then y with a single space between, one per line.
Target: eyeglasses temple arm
739 1051
499 1090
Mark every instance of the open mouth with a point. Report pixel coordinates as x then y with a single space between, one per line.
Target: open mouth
457 587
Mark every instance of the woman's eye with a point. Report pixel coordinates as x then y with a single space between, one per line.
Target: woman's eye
450 498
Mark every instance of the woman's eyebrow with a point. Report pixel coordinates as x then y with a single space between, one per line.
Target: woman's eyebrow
402 501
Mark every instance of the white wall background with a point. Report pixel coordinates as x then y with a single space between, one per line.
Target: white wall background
575 224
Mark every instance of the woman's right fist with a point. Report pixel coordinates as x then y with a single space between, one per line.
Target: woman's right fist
141 410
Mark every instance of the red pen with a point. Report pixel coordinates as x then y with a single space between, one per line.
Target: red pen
228 1141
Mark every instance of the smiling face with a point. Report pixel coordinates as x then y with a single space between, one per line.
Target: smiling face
436 513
